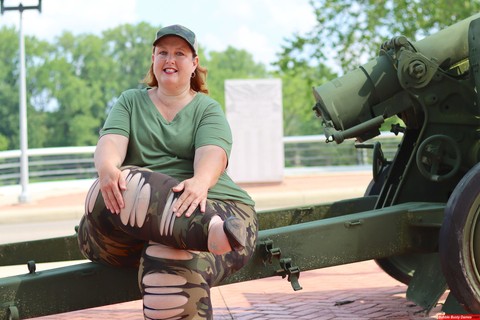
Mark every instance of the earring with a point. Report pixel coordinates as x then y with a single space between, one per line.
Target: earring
193 75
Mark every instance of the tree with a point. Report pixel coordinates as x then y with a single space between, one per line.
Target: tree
38 100
298 100
349 32
81 76
299 75
130 48
60 92
9 88
74 80
230 64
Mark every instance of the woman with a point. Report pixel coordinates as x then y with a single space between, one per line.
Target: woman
163 200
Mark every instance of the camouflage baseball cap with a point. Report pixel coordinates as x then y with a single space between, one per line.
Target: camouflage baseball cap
180 31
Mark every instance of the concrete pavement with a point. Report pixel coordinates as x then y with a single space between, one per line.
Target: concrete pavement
355 291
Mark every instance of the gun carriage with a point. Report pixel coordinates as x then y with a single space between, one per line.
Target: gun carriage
419 218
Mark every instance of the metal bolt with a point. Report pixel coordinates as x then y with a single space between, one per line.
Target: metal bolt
32 267
417 69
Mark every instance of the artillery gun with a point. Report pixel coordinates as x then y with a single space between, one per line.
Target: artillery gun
419 218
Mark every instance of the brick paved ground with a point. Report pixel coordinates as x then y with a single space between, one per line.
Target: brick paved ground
355 291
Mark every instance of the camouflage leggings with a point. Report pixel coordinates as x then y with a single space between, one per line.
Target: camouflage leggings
175 271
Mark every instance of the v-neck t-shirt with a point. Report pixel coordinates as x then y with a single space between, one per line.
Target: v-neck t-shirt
169 147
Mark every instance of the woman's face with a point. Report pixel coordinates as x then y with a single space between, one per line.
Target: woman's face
173 63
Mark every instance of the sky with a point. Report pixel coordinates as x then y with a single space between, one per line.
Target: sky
258 26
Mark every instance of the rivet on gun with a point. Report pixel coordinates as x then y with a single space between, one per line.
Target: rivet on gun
354 223
32 267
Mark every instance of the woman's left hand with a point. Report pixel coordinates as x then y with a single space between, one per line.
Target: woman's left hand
194 195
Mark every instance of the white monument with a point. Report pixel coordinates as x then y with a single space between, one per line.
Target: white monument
255 113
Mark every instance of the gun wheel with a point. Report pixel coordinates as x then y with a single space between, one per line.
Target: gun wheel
459 243
401 268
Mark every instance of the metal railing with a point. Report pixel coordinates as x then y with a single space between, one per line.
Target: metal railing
312 151
48 164
68 163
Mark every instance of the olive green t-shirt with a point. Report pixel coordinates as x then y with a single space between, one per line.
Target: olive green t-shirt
169 147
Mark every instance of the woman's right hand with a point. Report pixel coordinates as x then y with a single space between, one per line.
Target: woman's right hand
109 155
112 185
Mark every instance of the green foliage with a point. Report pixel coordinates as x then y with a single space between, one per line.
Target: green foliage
3 143
349 31
130 50
298 100
231 64
9 119
73 80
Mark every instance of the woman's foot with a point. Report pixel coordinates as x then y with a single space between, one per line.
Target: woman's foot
226 236
236 233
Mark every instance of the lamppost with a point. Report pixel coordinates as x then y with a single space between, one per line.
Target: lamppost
23 101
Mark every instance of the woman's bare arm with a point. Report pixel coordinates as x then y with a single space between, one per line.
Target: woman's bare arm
109 155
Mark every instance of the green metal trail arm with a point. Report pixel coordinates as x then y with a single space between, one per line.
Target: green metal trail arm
45 250
399 229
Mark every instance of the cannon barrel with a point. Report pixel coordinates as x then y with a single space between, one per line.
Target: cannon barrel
449 44
349 101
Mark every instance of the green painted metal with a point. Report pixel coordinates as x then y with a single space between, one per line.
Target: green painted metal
428 283
451 306
432 86
65 289
40 251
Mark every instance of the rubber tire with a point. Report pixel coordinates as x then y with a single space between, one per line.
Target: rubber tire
400 268
459 236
